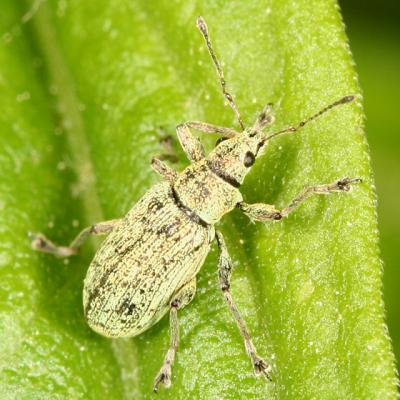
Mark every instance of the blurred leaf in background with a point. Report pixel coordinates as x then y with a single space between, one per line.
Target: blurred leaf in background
374 33
87 90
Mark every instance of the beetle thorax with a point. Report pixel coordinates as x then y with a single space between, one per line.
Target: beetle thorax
210 187
203 192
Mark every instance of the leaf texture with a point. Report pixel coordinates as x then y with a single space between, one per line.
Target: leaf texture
88 89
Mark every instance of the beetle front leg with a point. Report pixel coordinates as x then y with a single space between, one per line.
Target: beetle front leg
182 298
41 243
164 170
225 271
266 212
191 144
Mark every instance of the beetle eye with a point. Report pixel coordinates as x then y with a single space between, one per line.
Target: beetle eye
221 139
249 159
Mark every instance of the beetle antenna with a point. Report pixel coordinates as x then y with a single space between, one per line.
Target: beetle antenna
201 24
292 129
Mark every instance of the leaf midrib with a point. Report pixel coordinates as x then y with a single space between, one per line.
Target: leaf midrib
67 106
68 110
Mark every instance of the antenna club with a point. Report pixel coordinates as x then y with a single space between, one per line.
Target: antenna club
347 99
201 24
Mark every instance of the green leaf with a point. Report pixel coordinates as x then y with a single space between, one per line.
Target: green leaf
87 91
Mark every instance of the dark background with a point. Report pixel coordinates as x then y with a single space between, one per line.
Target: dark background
373 28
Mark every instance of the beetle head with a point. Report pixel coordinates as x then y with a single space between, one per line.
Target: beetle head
235 156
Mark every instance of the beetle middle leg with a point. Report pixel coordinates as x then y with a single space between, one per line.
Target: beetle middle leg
225 271
266 212
41 243
182 298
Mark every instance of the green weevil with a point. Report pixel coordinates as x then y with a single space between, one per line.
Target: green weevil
148 263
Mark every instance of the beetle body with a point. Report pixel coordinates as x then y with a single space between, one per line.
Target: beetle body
155 250
148 263
162 243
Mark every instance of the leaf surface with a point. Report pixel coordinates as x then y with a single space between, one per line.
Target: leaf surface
88 89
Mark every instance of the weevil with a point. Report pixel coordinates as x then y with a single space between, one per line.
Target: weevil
148 263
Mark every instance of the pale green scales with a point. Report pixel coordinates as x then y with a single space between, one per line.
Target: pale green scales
158 247
155 250
147 265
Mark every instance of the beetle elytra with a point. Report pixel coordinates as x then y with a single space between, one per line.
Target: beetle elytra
148 263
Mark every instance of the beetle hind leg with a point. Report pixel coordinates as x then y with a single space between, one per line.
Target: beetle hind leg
41 243
182 298
261 367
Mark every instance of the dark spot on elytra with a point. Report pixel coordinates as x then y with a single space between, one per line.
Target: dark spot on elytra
127 307
169 229
123 251
189 174
155 205
197 247
96 291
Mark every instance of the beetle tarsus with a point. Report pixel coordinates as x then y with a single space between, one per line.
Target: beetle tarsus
345 183
41 243
261 367
163 377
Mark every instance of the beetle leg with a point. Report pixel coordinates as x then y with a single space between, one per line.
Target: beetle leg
205 127
259 211
41 243
182 298
265 212
164 170
225 271
191 144
164 375
166 142
342 185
